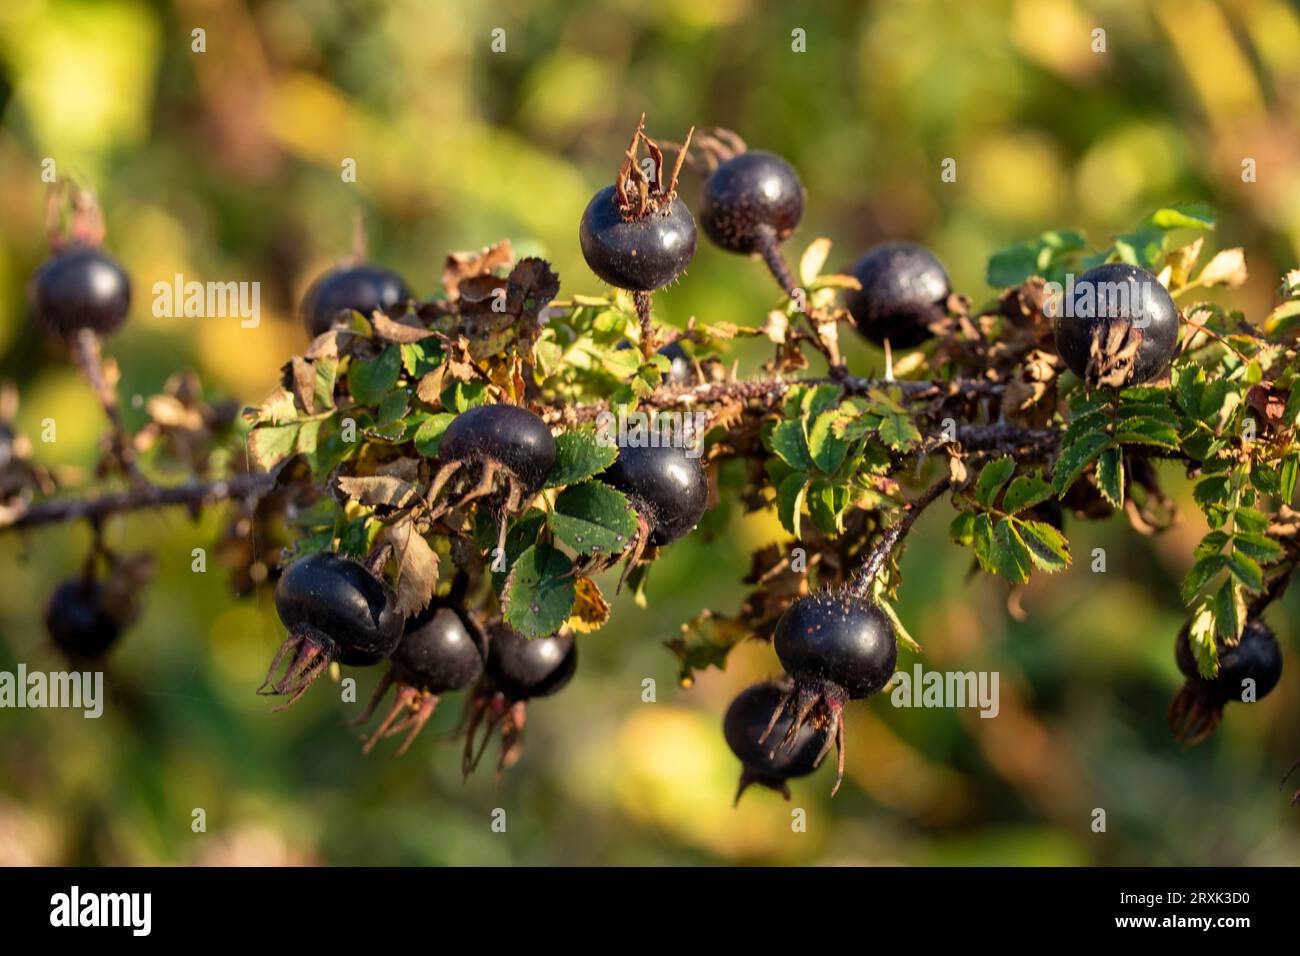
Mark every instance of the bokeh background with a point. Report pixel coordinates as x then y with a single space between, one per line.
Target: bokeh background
225 165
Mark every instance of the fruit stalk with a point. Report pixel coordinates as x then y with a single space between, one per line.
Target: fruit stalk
86 353
864 577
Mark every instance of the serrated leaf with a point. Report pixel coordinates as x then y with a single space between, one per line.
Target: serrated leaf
1259 547
369 382
1011 556
1230 611
539 592
826 449
271 444
789 501
593 518
898 432
1025 492
788 441
1076 458
1047 547
1147 431
1200 637
982 541
1246 571
578 456
992 477
1110 476
826 503
429 435
1202 572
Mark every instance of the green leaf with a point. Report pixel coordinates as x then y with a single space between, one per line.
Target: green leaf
578 456
1259 547
521 535
369 382
789 501
429 435
992 477
982 538
788 441
1147 431
1110 476
326 370
1025 492
1076 458
1230 611
1011 556
962 529
1201 574
826 504
1047 546
1200 637
593 518
1011 266
1246 571
826 449
897 431
271 444
1184 215
539 591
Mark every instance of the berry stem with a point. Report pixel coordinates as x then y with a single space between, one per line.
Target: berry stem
864 577
87 354
642 302
769 247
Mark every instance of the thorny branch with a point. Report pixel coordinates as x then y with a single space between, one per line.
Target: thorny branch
194 495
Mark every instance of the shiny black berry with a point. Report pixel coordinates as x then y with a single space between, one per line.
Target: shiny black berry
751 199
640 254
361 288
523 668
78 620
81 287
440 651
904 289
518 670
1248 670
667 485
836 647
335 610
746 729
500 437
837 638
1116 326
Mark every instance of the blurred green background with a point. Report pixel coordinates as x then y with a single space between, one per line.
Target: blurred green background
226 165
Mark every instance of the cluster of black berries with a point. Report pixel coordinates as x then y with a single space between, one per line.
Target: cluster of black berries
637 235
